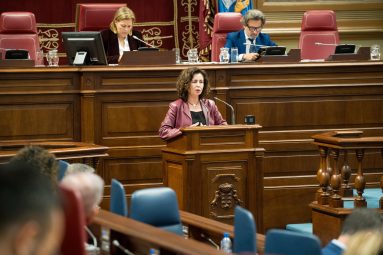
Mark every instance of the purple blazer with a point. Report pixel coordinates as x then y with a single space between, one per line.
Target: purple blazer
179 116
111 47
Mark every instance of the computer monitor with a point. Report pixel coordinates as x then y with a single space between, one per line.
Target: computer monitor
345 48
84 48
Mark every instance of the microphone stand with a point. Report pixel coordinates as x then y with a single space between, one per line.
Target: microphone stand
232 110
138 39
126 251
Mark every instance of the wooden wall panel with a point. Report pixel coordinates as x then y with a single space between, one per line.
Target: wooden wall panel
40 105
122 107
36 120
313 112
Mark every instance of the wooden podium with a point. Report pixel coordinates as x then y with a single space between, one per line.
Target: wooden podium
214 168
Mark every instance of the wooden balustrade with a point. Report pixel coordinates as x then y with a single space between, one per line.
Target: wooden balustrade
334 184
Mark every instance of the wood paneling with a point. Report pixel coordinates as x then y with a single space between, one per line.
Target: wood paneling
39 105
122 107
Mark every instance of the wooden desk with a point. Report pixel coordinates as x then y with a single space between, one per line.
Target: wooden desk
201 228
70 151
228 157
122 108
139 237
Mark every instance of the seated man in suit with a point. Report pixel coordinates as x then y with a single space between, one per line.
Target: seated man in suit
249 39
90 186
361 219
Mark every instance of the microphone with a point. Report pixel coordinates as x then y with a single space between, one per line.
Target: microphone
231 107
260 45
326 44
138 39
118 245
94 239
210 241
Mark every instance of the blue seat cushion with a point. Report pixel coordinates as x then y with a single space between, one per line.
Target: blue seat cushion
300 227
372 196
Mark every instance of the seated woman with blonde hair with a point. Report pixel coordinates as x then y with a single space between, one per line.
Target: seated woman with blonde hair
120 35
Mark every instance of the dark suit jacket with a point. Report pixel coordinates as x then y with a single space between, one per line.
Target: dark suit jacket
179 116
111 47
332 249
238 39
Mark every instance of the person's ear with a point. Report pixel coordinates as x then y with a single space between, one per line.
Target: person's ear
26 238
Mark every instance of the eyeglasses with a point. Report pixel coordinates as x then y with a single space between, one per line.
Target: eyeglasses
255 29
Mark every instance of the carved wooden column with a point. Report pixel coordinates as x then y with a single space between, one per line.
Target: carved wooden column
346 190
322 167
323 177
336 181
360 182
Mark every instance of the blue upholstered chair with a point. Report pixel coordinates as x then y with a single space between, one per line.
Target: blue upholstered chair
244 231
284 242
157 207
63 166
118 204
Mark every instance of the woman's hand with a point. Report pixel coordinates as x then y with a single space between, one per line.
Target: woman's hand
195 124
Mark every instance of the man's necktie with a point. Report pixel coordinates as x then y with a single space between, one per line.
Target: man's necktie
251 47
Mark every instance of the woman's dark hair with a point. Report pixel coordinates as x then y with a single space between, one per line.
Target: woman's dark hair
184 80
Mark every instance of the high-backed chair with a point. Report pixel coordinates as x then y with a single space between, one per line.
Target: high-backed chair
95 17
284 242
63 166
157 207
224 22
74 236
319 34
244 231
118 202
18 31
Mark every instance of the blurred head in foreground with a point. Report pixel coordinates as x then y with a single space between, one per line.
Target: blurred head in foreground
31 217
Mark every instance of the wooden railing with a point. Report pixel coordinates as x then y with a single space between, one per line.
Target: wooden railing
333 180
204 229
139 237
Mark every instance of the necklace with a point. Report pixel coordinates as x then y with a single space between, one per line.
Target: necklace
194 105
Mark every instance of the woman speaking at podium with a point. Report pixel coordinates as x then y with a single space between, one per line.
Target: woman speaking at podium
191 108
119 37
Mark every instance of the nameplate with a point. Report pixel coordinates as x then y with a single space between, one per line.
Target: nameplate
294 55
362 54
148 58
